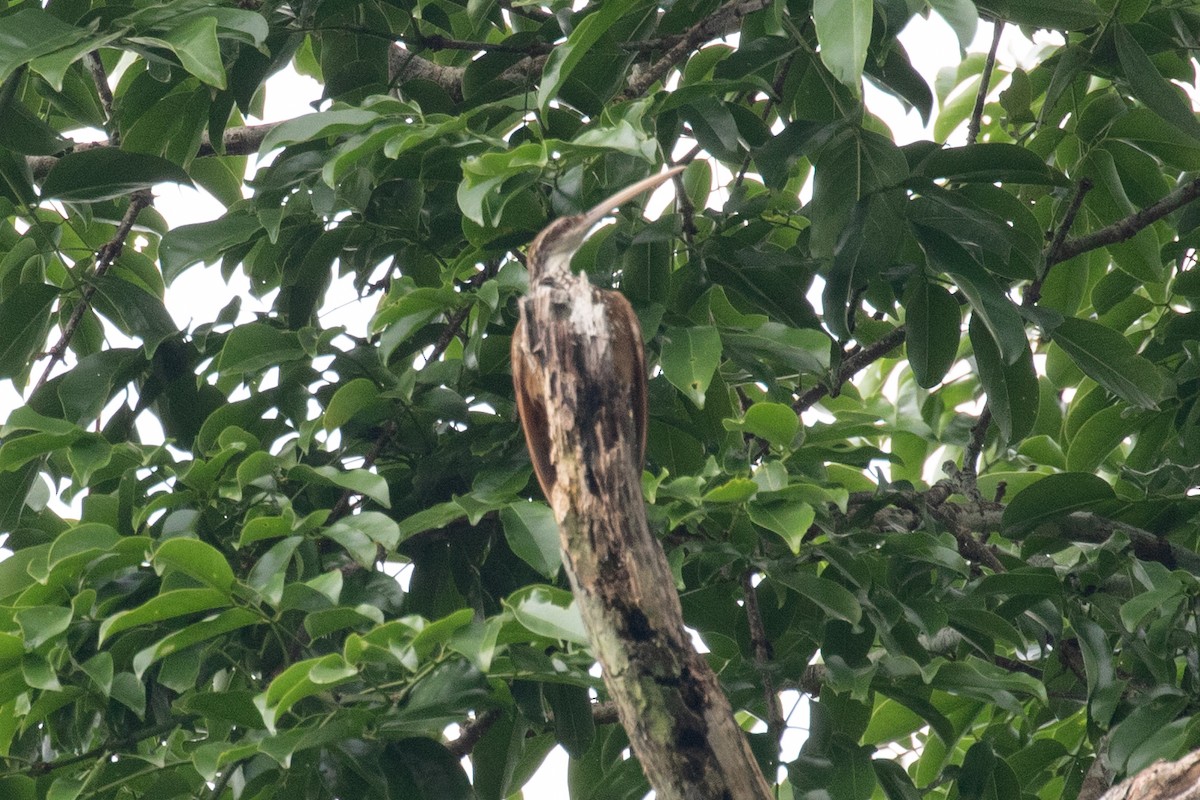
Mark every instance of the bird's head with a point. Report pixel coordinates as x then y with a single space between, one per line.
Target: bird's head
552 249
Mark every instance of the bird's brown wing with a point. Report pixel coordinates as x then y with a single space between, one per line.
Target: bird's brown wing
629 361
531 407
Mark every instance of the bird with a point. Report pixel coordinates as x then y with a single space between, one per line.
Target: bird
548 259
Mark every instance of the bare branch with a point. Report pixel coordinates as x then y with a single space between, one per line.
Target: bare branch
762 658
1162 780
1128 227
985 81
852 365
105 257
1034 291
722 22
100 79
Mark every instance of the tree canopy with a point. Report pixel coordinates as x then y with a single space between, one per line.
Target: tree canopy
923 433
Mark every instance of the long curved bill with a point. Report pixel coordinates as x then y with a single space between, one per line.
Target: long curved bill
592 217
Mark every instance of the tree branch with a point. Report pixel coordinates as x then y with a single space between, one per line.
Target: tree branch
105 257
722 22
1162 780
851 366
1128 227
985 81
762 658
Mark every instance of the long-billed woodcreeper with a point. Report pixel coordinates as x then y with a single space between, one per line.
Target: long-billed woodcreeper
549 258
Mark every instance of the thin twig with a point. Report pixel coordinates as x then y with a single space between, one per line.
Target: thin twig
100 78
723 21
470 734
851 365
762 657
970 462
105 258
1034 292
342 507
1128 227
984 83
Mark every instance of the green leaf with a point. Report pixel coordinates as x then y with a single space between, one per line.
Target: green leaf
104 173
933 322
547 611
229 620
1150 87
564 58
186 245
844 31
775 422
168 605
862 251
532 533
360 481
689 357
195 559
1012 389
33 32
1139 255
24 320
1069 15
735 490
1055 496
1108 358
256 346
136 311
989 162
788 518
300 680
573 724
42 623
992 306
195 44
350 398
833 598
321 125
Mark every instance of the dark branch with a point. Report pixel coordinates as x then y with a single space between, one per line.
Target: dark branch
105 257
852 365
722 22
1034 292
762 658
985 81
1128 227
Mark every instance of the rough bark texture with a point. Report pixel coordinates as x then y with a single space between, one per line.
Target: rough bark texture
1162 780
680 723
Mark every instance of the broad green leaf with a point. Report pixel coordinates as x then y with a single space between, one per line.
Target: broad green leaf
1055 496
40 624
361 481
24 321
195 44
1099 436
229 620
788 518
300 680
104 173
1138 255
255 346
862 251
547 611
961 16
1012 389
989 162
566 56
735 490
33 32
318 126
833 598
186 245
1108 358
532 533
844 31
1150 87
1070 15
995 310
775 422
168 605
350 398
195 559
689 357
933 323
134 310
